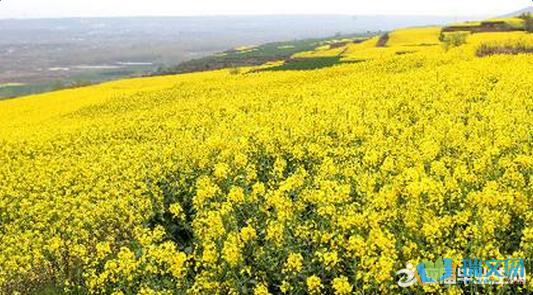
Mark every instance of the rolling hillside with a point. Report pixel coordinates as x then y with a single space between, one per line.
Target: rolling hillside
40 55
325 172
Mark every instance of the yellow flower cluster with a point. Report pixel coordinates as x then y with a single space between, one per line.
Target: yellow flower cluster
323 181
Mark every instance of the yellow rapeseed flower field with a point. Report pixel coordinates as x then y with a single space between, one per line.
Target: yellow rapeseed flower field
300 182
417 36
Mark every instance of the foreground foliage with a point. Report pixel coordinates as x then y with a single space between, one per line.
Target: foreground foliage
323 181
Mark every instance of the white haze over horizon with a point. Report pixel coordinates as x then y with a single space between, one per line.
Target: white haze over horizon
101 8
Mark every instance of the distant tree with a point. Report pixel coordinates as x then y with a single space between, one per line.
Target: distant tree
528 21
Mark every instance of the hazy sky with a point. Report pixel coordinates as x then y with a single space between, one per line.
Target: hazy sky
65 8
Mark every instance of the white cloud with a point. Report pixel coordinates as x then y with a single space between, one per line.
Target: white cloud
65 8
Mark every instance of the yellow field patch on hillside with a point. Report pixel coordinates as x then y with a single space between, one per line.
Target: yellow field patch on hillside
415 37
515 22
500 37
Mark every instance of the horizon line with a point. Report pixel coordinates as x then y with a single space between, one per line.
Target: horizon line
245 15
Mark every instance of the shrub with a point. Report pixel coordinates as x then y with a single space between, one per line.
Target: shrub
454 39
234 71
491 49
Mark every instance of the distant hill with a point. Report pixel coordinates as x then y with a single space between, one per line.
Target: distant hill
519 12
42 54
